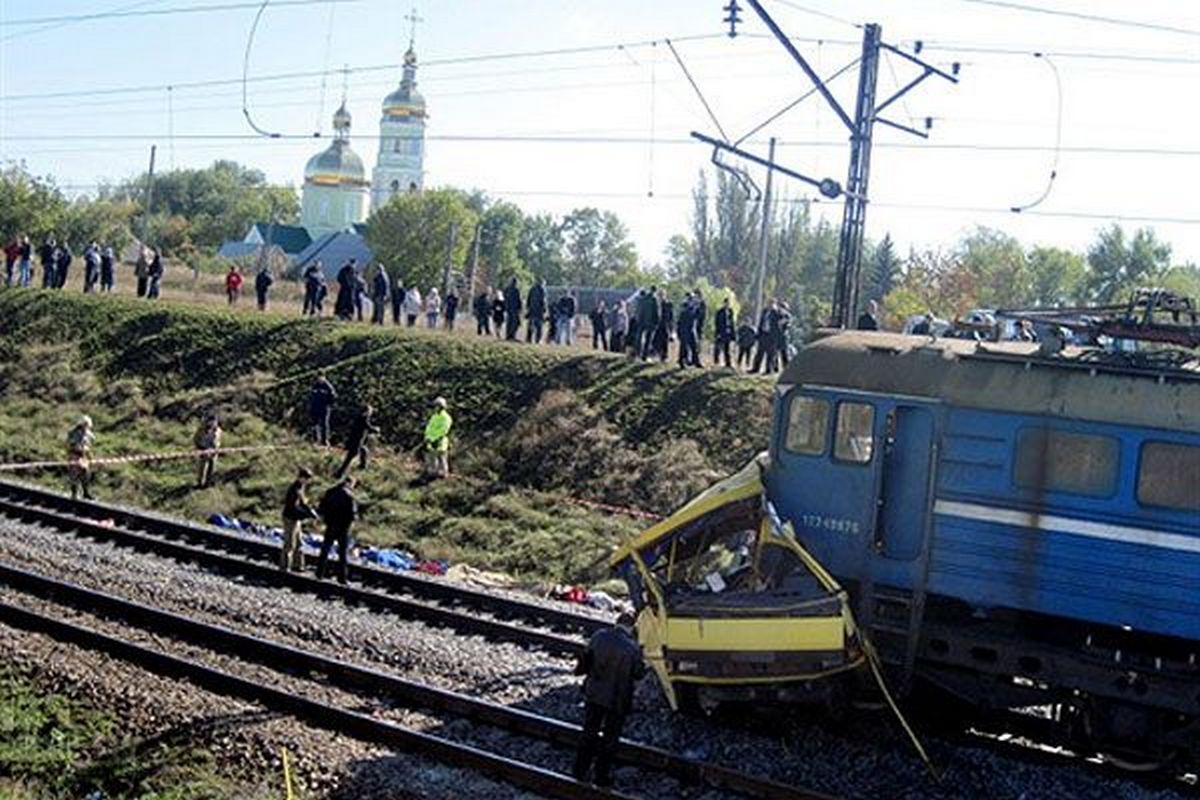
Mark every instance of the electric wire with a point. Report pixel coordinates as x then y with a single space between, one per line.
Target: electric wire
1058 12
816 13
155 12
1058 125
695 87
795 102
320 124
54 26
246 75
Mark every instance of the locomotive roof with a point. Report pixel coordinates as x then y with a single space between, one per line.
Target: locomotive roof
1010 376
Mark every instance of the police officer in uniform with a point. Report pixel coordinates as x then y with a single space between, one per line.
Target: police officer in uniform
611 664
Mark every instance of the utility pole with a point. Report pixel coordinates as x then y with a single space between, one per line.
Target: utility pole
449 259
149 194
474 264
765 241
854 215
866 113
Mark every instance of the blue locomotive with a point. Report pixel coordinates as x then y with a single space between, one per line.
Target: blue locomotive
1016 527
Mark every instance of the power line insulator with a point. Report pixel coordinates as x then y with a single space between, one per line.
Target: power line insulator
733 17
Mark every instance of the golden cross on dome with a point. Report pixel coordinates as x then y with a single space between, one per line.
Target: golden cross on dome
414 19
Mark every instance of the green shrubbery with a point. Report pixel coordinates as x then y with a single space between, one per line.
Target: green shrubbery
532 424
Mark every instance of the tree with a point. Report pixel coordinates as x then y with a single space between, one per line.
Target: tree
104 221
1118 265
540 248
597 247
28 204
882 272
1057 276
217 203
996 271
411 233
499 243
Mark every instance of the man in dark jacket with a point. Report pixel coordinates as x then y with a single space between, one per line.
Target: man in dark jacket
338 509
701 318
685 329
512 310
745 342
381 290
724 333
343 306
62 265
398 292
869 319
647 321
262 287
535 311
611 664
296 512
768 339
320 404
313 280
356 443
482 309
47 255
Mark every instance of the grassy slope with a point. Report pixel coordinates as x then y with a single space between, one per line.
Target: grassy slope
532 423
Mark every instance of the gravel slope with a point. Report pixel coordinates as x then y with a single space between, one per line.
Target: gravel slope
860 757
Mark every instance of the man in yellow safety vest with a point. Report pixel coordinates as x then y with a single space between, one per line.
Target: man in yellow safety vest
437 441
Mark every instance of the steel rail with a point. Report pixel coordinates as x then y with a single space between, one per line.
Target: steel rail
367 575
356 678
462 621
322 715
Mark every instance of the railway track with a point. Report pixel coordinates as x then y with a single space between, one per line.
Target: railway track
461 608
358 680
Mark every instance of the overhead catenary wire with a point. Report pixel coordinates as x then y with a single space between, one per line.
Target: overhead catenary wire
136 11
1085 16
696 87
246 74
1058 125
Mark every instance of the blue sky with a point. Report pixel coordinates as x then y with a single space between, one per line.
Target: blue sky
925 194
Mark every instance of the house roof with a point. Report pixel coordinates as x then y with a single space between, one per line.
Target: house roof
291 239
333 250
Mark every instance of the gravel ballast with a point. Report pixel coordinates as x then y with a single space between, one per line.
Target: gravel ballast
861 757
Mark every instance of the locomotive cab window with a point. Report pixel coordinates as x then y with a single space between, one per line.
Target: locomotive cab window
808 420
1169 476
1057 461
854 437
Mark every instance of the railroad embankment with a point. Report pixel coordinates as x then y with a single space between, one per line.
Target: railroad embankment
535 427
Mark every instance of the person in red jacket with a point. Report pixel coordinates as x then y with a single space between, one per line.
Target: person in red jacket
233 285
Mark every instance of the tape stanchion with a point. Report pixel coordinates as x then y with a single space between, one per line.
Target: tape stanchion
139 458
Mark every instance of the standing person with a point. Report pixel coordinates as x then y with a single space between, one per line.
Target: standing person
359 438
24 271
701 318
661 343
767 337
648 313
208 437
12 251
599 319
313 278
412 306
564 319
360 295
62 265
108 269
611 665
155 274
296 511
398 293
91 267
783 329
433 308
79 452
437 440
338 509
620 327
745 343
450 308
685 330
381 292
512 310
233 284
320 406
343 304
48 255
141 271
868 320
481 307
263 282
498 313
535 310
724 333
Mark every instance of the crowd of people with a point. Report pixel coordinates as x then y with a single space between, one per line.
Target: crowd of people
99 262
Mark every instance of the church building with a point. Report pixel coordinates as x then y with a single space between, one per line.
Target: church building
400 165
335 184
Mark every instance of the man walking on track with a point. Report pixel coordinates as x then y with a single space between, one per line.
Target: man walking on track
295 512
611 664
338 509
437 441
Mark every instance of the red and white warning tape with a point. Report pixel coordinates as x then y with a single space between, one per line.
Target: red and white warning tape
133 459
